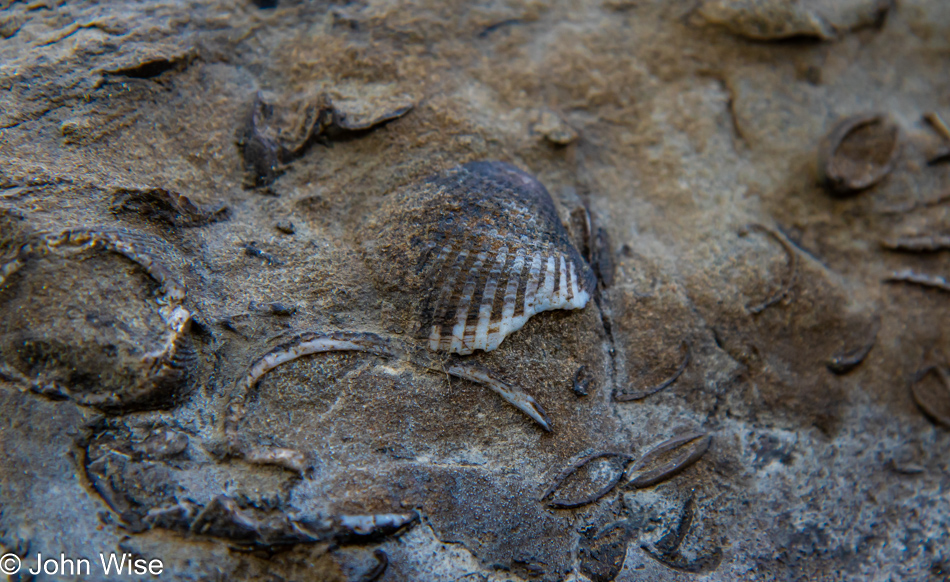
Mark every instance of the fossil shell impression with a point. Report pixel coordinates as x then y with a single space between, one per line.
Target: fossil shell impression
470 255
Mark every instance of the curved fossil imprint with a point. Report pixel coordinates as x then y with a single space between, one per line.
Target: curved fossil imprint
467 257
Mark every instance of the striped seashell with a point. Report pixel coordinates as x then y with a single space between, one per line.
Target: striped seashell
472 254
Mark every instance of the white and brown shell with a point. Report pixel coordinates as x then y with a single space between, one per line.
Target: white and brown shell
470 255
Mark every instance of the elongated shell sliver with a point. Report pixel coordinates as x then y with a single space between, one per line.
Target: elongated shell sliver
470 255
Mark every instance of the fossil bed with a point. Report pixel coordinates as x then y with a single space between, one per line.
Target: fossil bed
242 144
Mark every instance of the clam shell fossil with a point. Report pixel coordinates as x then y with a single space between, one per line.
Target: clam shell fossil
468 256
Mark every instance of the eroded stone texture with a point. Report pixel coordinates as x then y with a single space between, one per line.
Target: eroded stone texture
253 140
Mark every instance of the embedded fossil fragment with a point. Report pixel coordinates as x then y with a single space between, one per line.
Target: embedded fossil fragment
625 396
790 273
844 362
943 152
303 345
259 145
374 573
924 280
582 381
169 207
594 244
672 541
514 395
313 343
162 443
554 129
249 528
772 20
469 256
701 565
918 244
601 257
156 490
602 553
274 134
666 550
370 526
352 112
858 153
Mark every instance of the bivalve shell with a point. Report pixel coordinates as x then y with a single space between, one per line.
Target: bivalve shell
470 255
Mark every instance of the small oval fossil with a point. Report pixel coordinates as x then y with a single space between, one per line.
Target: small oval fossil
616 461
858 153
844 362
667 459
933 395
470 255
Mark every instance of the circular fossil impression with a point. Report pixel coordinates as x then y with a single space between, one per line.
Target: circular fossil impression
468 256
103 329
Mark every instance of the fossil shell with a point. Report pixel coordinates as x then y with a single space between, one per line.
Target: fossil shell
858 153
586 480
470 255
933 395
668 458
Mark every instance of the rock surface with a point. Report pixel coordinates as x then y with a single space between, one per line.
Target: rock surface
231 150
